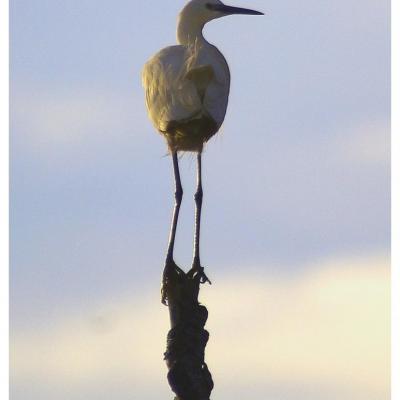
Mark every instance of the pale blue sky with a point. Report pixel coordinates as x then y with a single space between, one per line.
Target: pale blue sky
299 175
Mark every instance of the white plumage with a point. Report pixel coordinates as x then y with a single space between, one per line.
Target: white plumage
187 86
186 83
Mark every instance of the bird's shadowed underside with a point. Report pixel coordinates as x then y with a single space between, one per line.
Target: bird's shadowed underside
190 134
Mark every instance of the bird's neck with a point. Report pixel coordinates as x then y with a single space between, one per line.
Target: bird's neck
189 31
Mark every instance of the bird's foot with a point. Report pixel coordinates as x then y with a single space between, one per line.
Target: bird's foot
171 274
197 271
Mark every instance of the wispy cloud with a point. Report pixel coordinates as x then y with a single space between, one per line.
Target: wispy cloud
64 118
367 144
327 328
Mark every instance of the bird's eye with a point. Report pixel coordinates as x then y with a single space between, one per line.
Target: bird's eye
214 7
211 6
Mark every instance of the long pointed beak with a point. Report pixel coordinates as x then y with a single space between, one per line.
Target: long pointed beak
228 10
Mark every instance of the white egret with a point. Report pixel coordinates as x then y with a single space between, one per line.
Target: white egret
187 89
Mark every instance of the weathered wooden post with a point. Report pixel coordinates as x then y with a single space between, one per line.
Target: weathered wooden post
188 374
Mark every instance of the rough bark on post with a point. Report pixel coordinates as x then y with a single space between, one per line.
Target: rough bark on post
188 374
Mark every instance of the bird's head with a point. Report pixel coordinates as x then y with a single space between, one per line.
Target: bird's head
197 13
204 11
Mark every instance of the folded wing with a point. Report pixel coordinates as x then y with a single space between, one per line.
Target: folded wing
184 83
171 94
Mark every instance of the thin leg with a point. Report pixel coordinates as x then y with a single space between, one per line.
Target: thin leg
178 201
171 269
198 198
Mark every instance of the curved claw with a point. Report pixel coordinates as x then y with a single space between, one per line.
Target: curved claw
199 271
203 277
